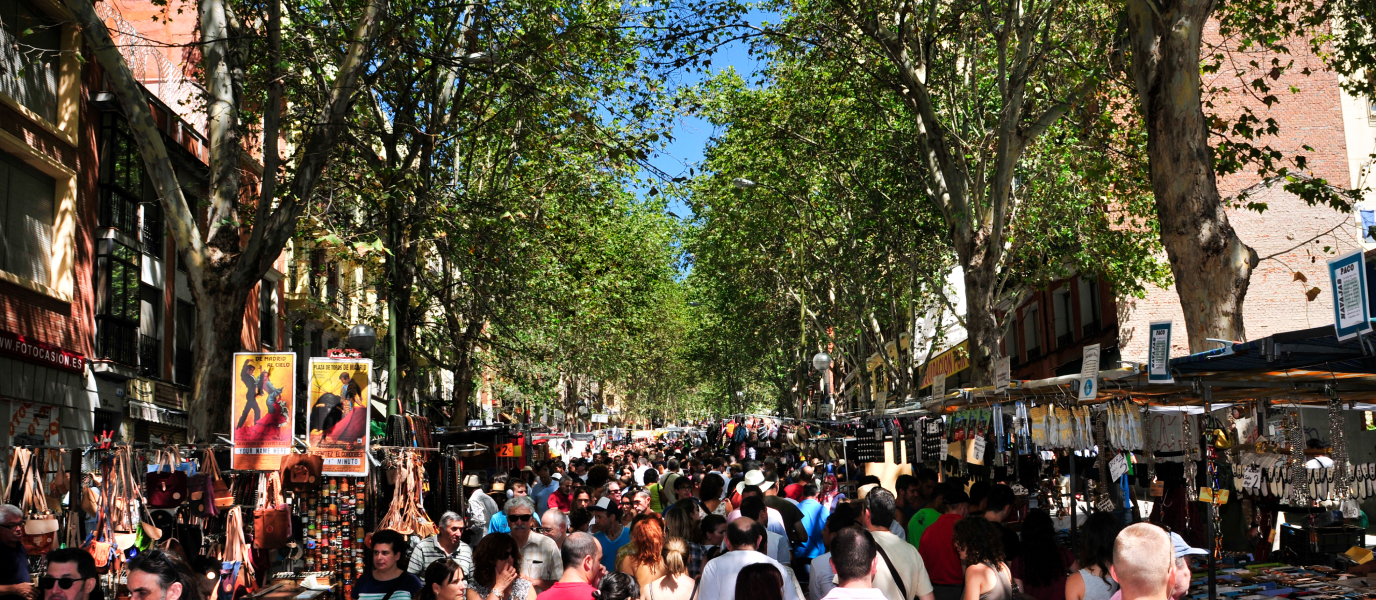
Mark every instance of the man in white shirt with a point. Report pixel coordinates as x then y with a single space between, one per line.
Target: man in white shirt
752 507
643 465
895 553
856 559
743 536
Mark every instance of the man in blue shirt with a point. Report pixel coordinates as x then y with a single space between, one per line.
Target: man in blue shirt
542 488
814 520
610 533
15 583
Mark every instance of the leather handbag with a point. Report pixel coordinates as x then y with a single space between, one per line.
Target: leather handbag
166 485
301 472
272 518
224 496
40 526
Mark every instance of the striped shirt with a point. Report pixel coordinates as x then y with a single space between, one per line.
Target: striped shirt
429 550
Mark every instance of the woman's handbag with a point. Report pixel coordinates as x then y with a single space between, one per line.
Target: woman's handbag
224 496
301 472
40 526
166 484
272 518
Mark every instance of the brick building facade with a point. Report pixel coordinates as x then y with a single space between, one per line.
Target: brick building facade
96 319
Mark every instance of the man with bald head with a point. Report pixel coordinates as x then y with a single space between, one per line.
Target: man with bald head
1144 562
743 537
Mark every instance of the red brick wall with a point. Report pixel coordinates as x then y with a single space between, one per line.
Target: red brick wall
69 325
1290 236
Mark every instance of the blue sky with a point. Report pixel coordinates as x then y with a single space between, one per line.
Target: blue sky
691 134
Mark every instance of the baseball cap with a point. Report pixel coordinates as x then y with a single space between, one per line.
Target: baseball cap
1183 548
557 476
603 503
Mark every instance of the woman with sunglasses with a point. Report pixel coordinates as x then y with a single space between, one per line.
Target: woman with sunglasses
495 576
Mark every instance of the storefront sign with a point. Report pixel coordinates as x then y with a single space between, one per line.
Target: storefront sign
48 355
599 418
1159 353
1089 373
262 406
950 362
1351 317
337 421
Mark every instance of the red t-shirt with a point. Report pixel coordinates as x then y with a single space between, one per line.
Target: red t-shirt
577 590
794 491
560 500
938 550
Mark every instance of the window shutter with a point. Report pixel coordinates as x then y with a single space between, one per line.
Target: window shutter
28 221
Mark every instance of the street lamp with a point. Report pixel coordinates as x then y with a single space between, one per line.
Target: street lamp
742 183
362 338
821 362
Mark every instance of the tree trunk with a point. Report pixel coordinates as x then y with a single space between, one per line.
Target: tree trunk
1211 265
981 323
220 319
463 390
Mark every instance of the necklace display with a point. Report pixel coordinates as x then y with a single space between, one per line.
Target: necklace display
1191 468
1299 488
1342 476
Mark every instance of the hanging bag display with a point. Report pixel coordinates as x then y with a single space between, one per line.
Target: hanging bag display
237 575
166 484
40 526
224 496
200 489
301 472
272 518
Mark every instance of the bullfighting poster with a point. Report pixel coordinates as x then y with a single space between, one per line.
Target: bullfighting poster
263 400
337 424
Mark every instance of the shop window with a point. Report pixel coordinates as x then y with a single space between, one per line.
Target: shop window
1090 312
184 337
1032 330
1061 307
117 302
30 45
121 177
28 209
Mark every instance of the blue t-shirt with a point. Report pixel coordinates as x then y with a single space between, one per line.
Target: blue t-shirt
368 588
814 519
610 546
498 524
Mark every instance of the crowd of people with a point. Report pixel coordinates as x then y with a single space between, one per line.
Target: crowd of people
669 521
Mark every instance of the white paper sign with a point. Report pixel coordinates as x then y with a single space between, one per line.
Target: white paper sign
1001 373
1089 373
1159 353
599 418
939 385
1117 467
1251 479
1348 276
978 453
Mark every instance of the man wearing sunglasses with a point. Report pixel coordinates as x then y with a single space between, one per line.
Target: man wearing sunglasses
71 575
541 562
15 583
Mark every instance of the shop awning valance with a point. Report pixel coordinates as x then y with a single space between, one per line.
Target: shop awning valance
151 413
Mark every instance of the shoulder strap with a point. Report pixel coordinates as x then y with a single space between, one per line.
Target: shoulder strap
898 579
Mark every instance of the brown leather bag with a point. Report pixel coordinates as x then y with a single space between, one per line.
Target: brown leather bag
301 472
40 526
224 497
272 518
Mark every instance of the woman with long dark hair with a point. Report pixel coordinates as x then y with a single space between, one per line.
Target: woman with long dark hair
443 581
1092 581
1040 570
495 574
980 547
760 581
618 586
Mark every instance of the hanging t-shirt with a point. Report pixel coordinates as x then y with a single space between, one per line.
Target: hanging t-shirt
368 588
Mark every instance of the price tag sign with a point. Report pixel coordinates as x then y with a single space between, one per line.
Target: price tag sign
1089 373
1105 504
1251 479
1347 275
944 449
1117 467
1002 368
977 450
